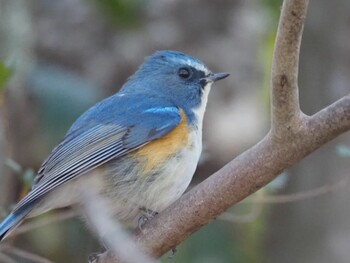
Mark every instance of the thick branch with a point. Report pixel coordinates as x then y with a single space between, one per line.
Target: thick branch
238 179
331 121
284 75
293 135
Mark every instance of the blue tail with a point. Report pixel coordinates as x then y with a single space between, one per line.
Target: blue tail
13 220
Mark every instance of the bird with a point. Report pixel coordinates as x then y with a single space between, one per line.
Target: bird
139 148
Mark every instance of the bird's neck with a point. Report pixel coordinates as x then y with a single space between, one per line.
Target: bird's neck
196 115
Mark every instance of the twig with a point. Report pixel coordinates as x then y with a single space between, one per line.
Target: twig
111 232
258 201
25 254
43 222
255 211
6 259
289 198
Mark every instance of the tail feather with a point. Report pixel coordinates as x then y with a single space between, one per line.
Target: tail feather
12 221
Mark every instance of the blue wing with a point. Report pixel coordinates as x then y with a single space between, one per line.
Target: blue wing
110 129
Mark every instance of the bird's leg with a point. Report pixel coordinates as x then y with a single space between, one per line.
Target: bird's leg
173 252
93 257
148 214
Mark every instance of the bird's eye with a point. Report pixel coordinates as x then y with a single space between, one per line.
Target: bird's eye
184 73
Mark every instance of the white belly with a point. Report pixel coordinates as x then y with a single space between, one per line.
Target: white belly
165 186
174 180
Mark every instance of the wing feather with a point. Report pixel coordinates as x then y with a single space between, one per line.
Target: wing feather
84 150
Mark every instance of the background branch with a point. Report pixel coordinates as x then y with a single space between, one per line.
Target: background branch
24 254
110 232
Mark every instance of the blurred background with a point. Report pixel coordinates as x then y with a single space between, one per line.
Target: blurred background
57 58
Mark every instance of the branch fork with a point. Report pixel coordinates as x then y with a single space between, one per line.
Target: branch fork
293 135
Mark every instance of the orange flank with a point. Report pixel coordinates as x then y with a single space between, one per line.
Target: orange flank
158 151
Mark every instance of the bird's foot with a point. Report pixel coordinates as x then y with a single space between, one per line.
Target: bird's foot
147 216
93 257
173 252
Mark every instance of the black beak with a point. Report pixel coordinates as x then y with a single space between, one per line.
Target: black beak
212 77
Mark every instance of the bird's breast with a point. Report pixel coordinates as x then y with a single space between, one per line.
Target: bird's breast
159 151
155 175
167 175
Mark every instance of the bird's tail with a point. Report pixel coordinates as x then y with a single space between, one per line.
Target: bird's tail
12 221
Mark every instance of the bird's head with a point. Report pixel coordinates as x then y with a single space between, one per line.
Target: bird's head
175 76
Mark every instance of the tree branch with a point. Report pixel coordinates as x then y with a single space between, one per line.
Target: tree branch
293 135
285 97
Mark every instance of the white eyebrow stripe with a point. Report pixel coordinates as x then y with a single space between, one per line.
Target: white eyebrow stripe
196 65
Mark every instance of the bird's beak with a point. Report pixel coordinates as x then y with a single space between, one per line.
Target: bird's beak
212 77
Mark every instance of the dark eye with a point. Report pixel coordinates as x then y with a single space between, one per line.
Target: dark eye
184 73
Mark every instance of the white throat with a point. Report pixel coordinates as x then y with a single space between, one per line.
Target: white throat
200 110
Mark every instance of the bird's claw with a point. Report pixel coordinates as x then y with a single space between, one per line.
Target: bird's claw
93 257
173 252
147 216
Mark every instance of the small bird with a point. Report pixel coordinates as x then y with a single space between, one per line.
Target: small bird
138 148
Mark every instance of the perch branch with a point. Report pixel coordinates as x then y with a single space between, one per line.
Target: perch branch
292 136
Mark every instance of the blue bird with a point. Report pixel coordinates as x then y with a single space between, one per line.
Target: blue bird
139 148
